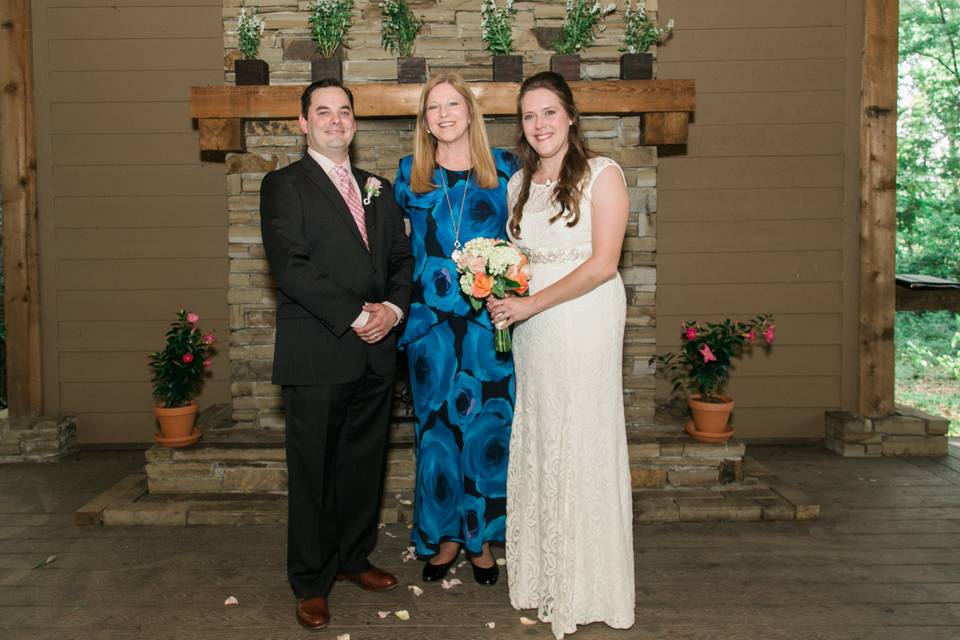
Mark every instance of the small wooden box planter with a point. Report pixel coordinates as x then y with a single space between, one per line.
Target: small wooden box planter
411 70
251 72
507 68
636 66
567 66
323 68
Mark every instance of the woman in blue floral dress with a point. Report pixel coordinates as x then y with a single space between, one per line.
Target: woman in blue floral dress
453 189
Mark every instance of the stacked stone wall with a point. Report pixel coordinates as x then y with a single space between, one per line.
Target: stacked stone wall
450 40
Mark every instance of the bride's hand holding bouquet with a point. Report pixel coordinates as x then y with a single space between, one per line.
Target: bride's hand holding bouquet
492 269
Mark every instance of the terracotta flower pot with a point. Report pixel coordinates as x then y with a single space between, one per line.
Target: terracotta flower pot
710 417
176 422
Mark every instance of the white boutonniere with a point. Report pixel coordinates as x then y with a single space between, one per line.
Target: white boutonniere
371 189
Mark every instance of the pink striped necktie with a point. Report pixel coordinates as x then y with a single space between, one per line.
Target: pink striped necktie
353 201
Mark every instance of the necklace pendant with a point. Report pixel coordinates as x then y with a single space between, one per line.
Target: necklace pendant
456 255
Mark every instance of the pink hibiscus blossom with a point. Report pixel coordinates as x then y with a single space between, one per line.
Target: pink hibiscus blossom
186 358
193 318
750 335
209 338
691 333
207 362
707 354
769 334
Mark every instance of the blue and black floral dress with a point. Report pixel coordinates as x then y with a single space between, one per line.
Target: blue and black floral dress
463 391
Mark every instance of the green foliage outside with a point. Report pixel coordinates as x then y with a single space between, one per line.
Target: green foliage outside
928 200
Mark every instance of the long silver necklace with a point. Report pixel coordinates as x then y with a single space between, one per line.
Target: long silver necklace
456 253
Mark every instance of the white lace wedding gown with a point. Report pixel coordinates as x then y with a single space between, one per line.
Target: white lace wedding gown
569 508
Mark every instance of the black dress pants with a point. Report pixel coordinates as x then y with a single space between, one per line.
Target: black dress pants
336 445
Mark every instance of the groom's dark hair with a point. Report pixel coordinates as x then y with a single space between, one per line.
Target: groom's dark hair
321 84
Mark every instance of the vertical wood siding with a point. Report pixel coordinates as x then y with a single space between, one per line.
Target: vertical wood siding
133 225
757 216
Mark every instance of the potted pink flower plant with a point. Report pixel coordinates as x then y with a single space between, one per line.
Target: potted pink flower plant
703 367
177 373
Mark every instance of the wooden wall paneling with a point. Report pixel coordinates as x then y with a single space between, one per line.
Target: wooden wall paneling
151 210
140 22
757 75
133 180
780 43
779 235
122 366
156 149
754 172
738 14
121 305
764 107
741 299
18 193
745 267
125 117
745 205
878 215
127 86
118 244
794 139
139 335
142 273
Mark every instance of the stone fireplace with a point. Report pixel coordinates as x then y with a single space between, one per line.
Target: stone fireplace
450 41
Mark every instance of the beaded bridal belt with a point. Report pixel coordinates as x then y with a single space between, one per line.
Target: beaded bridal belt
571 254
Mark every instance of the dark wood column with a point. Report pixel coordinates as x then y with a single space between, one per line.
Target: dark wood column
878 206
18 184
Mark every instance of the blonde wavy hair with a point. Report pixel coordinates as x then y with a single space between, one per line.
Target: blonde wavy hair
425 145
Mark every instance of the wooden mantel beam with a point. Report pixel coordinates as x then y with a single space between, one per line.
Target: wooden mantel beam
18 196
400 100
220 110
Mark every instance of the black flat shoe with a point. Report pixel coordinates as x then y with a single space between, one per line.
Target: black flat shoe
486 576
434 572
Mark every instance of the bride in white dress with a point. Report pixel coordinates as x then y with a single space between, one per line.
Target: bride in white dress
569 509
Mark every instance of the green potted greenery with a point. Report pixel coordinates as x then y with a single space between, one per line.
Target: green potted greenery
330 22
579 29
703 367
399 29
639 34
496 31
177 372
249 70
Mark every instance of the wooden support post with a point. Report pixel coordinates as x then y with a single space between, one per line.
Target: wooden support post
18 195
878 210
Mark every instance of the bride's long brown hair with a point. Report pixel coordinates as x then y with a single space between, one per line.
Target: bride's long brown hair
574 168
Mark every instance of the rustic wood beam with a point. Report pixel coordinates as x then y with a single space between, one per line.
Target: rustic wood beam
666 128
878 213
221 134
400 100
18 195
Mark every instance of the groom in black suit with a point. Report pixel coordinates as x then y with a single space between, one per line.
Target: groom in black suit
336 244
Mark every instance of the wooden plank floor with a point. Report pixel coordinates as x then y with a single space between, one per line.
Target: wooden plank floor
882 563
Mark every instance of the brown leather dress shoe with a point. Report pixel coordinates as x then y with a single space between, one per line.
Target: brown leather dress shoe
373 579
313 613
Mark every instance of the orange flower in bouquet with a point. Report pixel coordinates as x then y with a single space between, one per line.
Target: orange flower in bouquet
491 267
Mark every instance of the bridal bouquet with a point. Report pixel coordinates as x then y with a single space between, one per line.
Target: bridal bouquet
492 267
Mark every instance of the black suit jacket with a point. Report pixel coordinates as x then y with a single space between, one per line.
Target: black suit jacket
325 274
